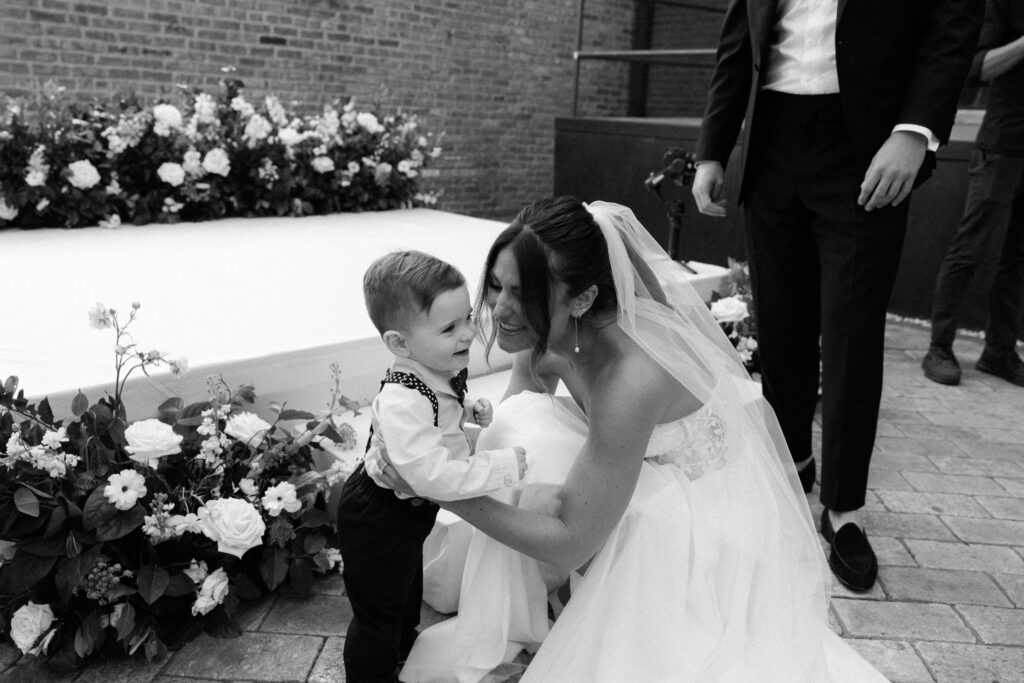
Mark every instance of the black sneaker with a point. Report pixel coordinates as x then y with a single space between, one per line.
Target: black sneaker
940 365
1004 364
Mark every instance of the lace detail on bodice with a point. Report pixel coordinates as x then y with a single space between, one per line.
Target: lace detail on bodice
695 444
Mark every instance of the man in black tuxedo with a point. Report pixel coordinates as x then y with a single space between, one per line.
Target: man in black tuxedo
845 102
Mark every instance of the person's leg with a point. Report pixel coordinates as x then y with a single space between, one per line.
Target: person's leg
783 268
983 213
1007 295
859 261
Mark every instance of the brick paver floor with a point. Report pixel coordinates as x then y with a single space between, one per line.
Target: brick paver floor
945 513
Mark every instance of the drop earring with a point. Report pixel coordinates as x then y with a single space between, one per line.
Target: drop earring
576 330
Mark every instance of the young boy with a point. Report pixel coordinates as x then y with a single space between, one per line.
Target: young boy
420 305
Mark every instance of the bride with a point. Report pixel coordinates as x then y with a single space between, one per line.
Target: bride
664 487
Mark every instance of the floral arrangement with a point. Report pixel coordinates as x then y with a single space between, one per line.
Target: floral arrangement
207 156
734 311
136 535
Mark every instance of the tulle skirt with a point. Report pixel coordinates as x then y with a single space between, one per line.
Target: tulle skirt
712 578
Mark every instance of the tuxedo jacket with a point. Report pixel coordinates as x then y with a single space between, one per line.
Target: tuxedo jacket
898 61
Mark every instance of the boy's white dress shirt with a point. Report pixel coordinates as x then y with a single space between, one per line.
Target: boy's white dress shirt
435 461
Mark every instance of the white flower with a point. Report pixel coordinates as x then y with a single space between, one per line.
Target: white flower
42 204
322 164
83 174
405 168
242 107
233 523
382 172
216 161
172 206
114 221
731 309
193 163
205 108
258 128
248 487
179 366
124 489
53 439
7 212
182 523
35 178
15 446
165 118
353 167
197 571
369 122
114 187
275 111
281 497
171 173
100 317
290 137
150 440
435 153
28 625
247 428
212 593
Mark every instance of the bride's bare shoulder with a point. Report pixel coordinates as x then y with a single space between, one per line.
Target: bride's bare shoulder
643 381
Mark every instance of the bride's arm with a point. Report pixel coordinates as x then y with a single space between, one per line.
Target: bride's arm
600 484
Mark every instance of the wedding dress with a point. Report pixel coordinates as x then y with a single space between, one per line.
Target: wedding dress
713 573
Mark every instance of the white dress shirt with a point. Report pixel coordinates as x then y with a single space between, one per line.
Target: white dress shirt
802 60
435 461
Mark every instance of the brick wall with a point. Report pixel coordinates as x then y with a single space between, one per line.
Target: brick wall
492 74
680 90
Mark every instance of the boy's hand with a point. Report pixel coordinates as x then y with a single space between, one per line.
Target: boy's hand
520 460
483 413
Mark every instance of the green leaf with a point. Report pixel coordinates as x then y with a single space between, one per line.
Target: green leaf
314 542
26 502
121 524
11 384
28 569
70 571
54 546
152 582
296 415
98 510
125 624
45 411
79 404
155 649
315 517
180 584
245 587
87 635
274 566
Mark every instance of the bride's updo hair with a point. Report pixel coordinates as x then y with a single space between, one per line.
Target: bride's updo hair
553 240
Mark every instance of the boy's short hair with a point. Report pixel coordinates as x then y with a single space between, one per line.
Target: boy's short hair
401 285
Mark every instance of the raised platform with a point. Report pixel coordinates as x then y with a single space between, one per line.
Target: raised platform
269 302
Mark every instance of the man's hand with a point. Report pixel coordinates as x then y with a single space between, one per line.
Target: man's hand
483 413
890 177
708 188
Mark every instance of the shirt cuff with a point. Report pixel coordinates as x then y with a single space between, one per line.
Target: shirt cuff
933 142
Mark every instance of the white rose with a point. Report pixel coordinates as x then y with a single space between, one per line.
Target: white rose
233 523
165 117
7 212
83 174
247 428
29 623
281 497
216 161
369 122
192 163
150 440
322 164
171 173
216 585
729 310
405 168
289 137
353 167
35 178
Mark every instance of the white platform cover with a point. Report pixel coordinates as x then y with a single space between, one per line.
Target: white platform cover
266 301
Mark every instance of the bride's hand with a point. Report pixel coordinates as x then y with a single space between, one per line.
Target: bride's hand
390 476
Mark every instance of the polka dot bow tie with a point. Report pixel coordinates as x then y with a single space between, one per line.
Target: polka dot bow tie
458 383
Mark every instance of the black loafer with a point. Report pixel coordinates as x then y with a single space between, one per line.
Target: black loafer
1004 364
851 559
807 476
